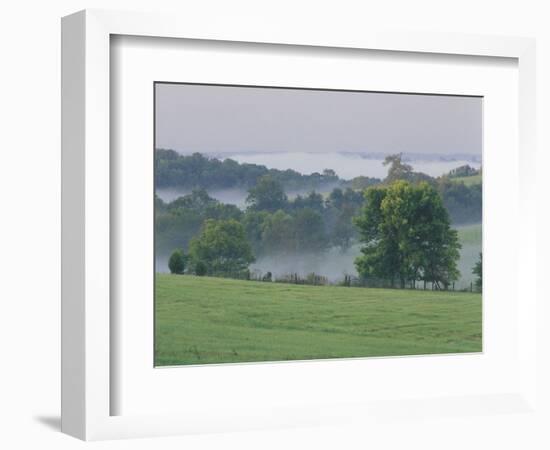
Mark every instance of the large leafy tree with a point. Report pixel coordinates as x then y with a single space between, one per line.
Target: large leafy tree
343 231
313 201
253 222
406 236
309 231
380 252
267 195
278 233
221 246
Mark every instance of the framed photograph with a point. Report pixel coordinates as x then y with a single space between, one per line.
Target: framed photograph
270 228
272 205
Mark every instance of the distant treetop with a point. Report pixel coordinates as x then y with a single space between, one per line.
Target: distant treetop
464 171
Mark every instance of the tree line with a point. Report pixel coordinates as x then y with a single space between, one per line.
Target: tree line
402 224
272 223
197 171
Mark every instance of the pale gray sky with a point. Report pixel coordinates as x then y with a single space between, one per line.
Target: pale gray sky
196 118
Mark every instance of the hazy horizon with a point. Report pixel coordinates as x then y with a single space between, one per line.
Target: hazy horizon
214 119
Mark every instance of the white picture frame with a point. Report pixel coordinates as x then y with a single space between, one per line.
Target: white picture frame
87 328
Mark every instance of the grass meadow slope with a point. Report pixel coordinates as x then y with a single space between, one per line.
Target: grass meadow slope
469 180
201 320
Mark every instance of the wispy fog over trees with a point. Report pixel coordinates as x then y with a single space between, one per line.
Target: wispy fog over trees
196 172
402 223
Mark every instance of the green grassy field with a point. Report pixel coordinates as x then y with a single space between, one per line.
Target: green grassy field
468 181
469 234
212 320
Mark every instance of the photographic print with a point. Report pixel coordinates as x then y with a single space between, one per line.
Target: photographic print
300 224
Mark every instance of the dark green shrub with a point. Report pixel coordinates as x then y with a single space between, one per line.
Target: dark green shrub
176 263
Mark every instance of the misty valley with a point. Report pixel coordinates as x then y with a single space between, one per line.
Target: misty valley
302 225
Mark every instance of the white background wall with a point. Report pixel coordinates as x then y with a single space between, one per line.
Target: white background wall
30 196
